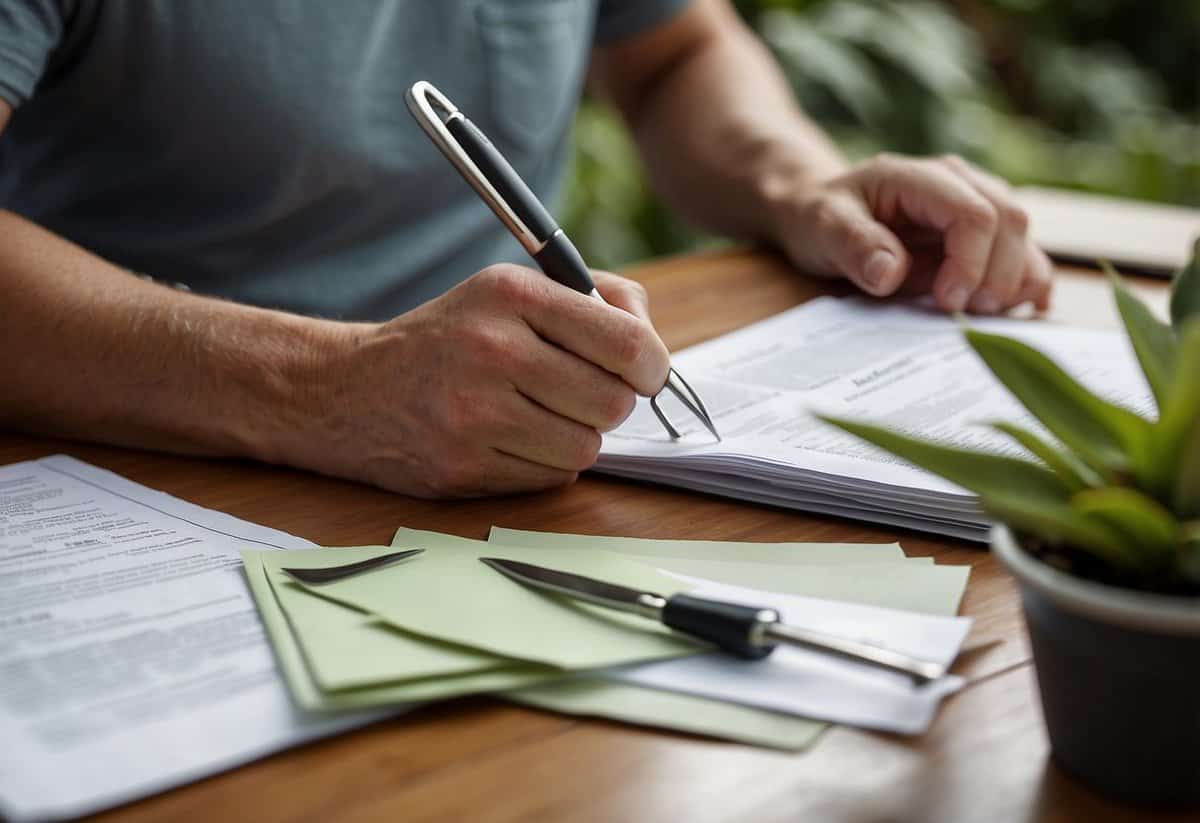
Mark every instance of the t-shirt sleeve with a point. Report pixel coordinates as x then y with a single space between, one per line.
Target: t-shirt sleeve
620 18
29 32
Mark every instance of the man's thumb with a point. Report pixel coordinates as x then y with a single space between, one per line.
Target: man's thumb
870 256
860 248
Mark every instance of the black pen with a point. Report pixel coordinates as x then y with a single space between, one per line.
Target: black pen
499 185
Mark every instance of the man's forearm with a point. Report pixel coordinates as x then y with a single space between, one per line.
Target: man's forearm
89 350
720 130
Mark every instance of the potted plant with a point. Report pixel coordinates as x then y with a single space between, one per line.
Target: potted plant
1102 531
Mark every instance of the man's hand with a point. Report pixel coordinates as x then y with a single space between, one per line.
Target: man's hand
939 225
503 384
726 143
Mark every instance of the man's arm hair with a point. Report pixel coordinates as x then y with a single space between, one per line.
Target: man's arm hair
713 116
89 350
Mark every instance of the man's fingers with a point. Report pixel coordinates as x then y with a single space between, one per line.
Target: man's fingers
500 473
1038 282
533 433
512 475
1002 279
1009 259
843 235
623 293
927 193
568 385
611 338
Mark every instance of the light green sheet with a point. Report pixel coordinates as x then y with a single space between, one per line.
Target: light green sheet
308 694
346 648
650 707
574 695
915 584
809 554
447 594
809 569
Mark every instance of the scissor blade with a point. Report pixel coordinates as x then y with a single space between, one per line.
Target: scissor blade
329 574
578 586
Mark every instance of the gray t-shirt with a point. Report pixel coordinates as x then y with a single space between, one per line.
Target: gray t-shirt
261 149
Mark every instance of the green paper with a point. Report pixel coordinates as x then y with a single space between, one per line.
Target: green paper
568 695
915 586
769 553
869 574
346 648
298 673
908 584
447 594
668 710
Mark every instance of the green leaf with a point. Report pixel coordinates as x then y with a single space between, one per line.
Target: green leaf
1057 522
1069 468
812 58
1146 525
1153 340
981 472
1186 498
1176 435
1024 495
1185 291
1110 439
1189 564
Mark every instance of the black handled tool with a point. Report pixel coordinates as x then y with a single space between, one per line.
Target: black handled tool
748 632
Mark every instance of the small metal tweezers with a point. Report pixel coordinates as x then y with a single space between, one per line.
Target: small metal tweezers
686 395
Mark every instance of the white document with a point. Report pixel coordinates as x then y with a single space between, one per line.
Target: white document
811 684
132 658
899 366
1132 234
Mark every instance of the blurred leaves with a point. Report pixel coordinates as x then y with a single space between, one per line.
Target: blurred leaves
1110 439
1099 95
1153 340
1023 494
1185 292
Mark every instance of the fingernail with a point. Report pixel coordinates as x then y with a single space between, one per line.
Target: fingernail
878 266
986 302
957 297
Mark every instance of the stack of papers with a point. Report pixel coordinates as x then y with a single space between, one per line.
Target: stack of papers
901 365
443 625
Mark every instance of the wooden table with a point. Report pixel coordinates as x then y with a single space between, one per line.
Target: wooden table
986 757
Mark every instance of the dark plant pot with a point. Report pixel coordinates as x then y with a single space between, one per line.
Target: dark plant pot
1119 676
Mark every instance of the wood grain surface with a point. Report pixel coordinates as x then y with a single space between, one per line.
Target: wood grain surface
985 759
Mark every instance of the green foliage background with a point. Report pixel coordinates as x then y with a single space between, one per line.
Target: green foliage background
1098 95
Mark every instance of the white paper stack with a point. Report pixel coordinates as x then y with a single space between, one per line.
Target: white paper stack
902 366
